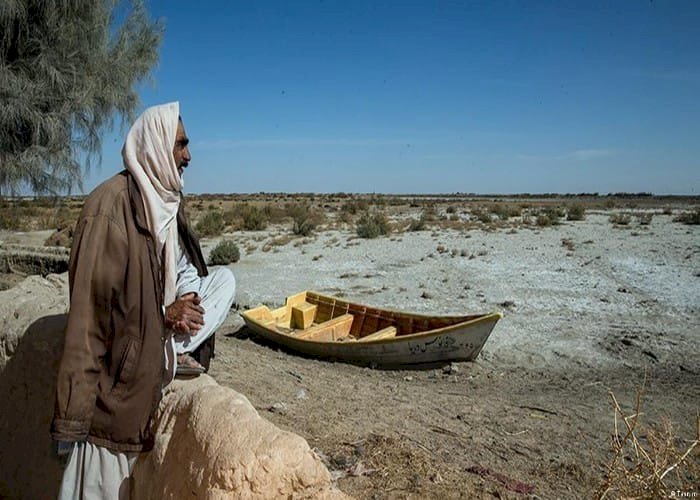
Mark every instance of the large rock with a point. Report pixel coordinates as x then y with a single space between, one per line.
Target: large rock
32 319
210 441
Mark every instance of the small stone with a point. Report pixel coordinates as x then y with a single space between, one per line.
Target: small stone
450 369
408 378
278 407
301 394
341 461
426 295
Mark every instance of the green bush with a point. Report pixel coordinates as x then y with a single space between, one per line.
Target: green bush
248 217
211 224
254 219
372 225
224 253
576 212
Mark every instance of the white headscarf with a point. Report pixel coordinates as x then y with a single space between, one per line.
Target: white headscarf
148 156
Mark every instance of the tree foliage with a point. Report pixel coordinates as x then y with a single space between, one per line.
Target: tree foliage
67 69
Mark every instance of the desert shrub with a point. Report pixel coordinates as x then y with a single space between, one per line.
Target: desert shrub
576 212
223 253
304 220
500 211
481 215
245 216
667 211
644 219
621 219
504 212
549 216
691 218
554 213
345 217
55 218
543 220
372 225
355 207
514 210
12 219
451 209
254 219
211 224
274 214
418 224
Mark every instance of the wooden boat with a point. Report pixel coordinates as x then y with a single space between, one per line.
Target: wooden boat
329 327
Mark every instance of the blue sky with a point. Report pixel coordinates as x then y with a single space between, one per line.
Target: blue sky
432 96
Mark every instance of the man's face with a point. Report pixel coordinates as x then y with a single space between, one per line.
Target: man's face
181 152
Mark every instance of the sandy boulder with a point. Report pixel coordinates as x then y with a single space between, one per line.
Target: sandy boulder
32 319
211 443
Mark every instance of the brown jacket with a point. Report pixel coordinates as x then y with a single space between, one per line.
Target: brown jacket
113 369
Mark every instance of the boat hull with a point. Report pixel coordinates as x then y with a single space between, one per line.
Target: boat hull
461 342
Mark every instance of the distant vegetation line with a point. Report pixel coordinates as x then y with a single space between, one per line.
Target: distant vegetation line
428 196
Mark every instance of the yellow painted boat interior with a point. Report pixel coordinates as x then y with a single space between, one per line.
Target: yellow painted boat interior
312 316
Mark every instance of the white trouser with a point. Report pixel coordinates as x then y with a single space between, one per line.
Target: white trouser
94 472
217 291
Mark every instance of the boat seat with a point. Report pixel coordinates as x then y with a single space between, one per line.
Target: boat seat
384 333
328 330
303 315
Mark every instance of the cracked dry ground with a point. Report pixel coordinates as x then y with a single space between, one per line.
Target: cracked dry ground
473 430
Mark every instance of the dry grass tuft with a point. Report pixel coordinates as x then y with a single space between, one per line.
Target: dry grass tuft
400 468
649 461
